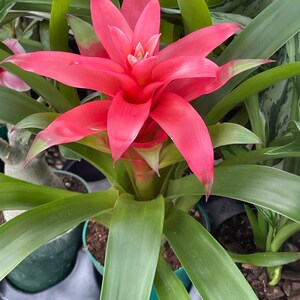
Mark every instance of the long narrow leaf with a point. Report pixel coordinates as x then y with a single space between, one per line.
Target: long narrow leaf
167 284
260 39
80 8
28 231
266 259
260 155
195 14
28 195
59 37
260 185
251 86
221 135
16 106
133 249
5 6
115 174
206 262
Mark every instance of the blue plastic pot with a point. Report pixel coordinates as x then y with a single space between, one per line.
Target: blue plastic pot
180 273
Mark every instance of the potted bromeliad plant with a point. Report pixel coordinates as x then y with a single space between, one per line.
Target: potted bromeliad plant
140 130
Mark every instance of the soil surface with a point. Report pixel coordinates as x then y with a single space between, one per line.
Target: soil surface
236 235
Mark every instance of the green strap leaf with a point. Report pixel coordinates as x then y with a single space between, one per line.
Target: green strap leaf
84 33
167 284
28 195
5 6
80 8
40 120
59 37
251 86
58 27
221 135
266 259
115 174
195 14
229 133
260 39
259 155
206 262
133 249
28 231
260 185
15 106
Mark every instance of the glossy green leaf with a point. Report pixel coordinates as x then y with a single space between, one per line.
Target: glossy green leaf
16 106
116 3
59 40
290 150
260 155
220 18
206 262
40 120
257 117
78 7
58 27
260 39
133 249
229 133
266 259
84 33
287 231
115 174
168 3
5 6
213 2
250 8
195 14
221 135
259 185
167 284
28 231
249 87
27 195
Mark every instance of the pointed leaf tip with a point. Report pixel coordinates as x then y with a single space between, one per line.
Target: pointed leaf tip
207 187
37 147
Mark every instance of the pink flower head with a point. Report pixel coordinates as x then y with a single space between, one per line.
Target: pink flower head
6 78
141 82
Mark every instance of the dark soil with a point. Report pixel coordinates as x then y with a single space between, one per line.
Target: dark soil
97 239
72 183
54 158
236 235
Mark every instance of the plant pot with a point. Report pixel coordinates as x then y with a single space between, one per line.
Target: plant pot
180 273
3 131
49 264
52 262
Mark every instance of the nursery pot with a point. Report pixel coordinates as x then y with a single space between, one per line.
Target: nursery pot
3 131
180 273
52 262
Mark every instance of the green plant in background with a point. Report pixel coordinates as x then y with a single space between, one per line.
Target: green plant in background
238 176
274 115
